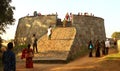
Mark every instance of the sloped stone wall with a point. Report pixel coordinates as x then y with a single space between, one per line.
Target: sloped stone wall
87 28
29 25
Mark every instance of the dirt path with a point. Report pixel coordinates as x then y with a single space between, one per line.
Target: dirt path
81 64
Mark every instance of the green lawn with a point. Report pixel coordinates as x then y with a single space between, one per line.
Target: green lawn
113 56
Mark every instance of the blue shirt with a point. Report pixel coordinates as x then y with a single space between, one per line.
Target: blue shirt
9 61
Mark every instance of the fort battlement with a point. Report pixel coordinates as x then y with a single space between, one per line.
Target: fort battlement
88 27
29 25
67 42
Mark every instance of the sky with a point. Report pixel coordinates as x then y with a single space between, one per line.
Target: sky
106 9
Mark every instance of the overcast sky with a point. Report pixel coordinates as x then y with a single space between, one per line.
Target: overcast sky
107 9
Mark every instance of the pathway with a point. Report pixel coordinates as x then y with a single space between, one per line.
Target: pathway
81 64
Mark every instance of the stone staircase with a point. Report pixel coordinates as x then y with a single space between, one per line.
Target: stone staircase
58 47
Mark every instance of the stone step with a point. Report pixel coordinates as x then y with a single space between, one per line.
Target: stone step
58 47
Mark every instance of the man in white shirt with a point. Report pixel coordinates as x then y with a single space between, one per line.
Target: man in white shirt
49 32
107 45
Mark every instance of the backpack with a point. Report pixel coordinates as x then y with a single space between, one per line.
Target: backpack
90 46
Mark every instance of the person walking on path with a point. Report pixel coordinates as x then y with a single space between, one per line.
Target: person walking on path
107 46
28 54
34 43
90 47
8 58
49 33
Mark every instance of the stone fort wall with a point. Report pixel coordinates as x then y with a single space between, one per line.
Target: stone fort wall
87 28
29 25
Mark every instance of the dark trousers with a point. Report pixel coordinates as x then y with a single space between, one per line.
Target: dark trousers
98 53
103 51
107 50
35 47
49 37
90 53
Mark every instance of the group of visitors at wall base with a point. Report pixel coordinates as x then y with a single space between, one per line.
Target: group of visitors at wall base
98 46
28 53
9 58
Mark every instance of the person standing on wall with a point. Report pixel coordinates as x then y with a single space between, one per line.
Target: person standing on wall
8 58
67 17
64 23
71 19
49 33
34 43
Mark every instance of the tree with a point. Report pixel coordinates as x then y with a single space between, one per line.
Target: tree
0 42
116 35
6 14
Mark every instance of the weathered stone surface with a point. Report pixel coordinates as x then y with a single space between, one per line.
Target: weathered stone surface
30 25
66 43
87 28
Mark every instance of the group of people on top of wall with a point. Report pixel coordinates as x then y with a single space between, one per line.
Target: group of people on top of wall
98 46
68 19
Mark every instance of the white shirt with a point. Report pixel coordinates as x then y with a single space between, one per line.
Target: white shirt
49 31
107 43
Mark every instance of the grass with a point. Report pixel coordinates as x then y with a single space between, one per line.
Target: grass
113 56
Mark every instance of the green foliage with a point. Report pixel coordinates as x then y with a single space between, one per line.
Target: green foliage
19 48
0 42
113 56
116 35
6 14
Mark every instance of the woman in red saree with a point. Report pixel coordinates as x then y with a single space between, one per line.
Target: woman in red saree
28 54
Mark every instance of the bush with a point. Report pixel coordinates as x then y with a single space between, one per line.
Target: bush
19 48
